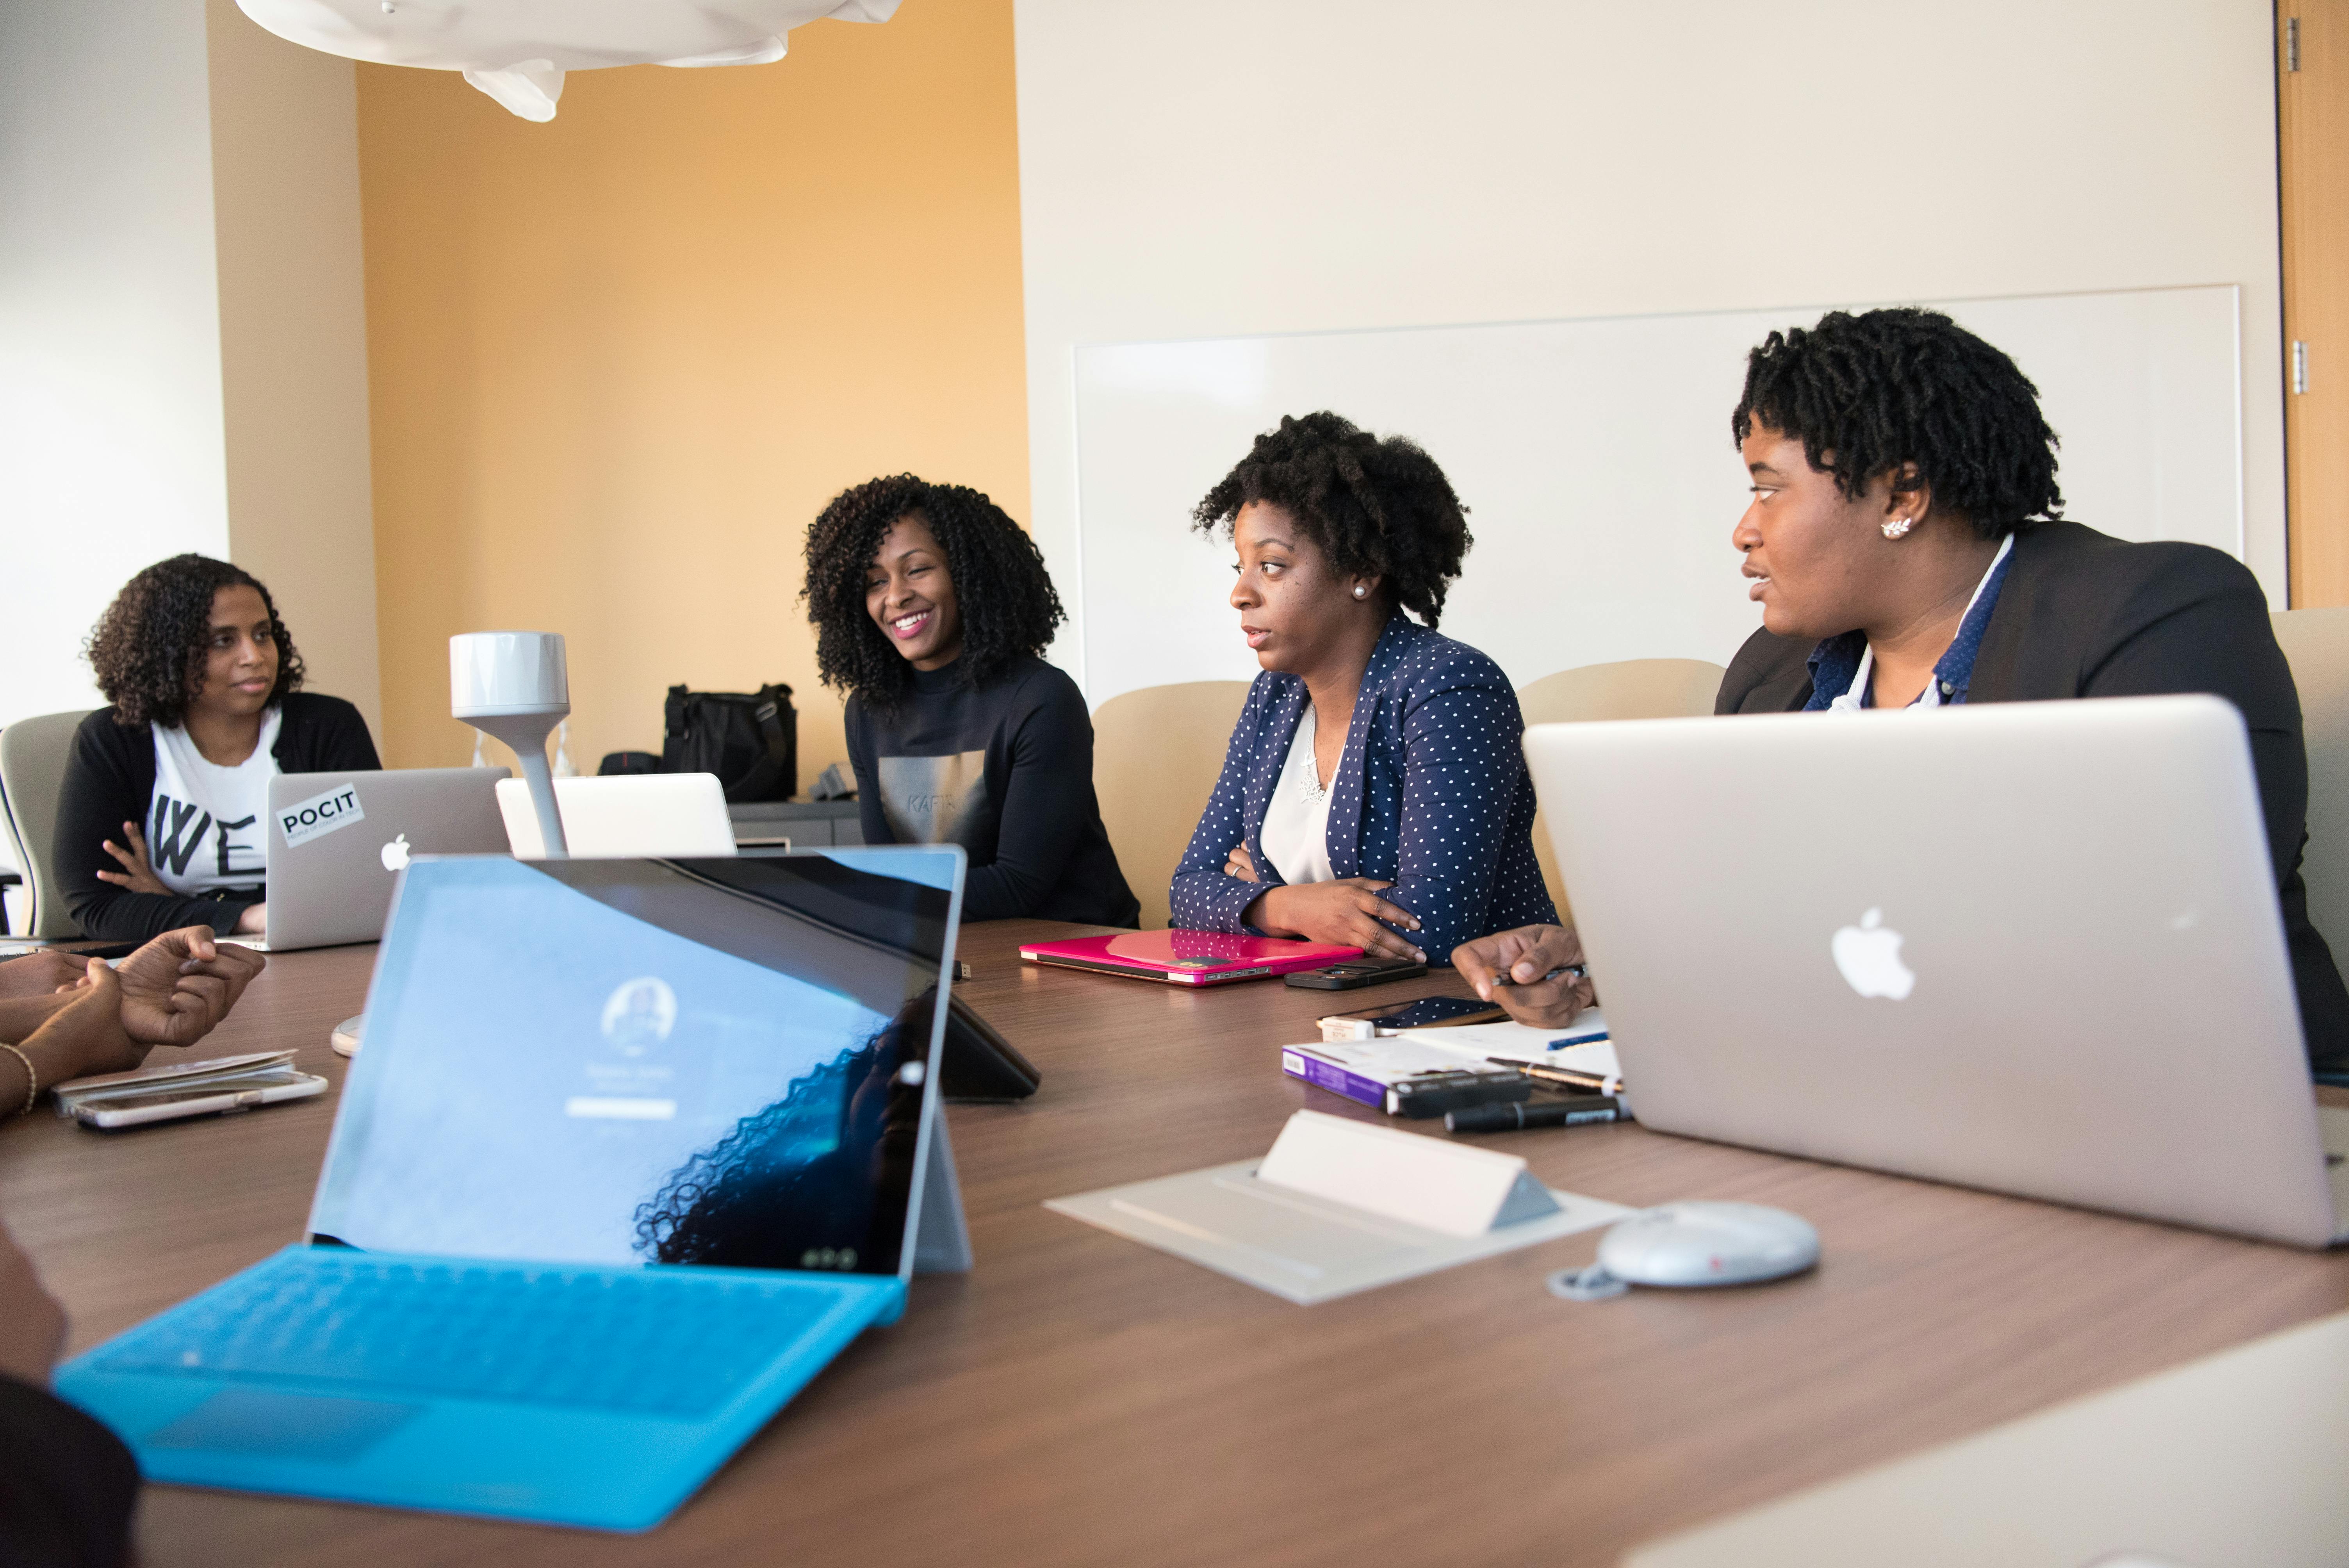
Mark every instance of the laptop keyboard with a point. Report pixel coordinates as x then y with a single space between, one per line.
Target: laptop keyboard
671 1345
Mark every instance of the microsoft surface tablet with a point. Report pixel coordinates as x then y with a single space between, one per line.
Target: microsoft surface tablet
634 1149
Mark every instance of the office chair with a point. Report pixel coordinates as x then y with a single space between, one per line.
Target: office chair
32 753
1156 754
1630 688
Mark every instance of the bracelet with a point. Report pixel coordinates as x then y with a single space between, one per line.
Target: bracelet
32 1078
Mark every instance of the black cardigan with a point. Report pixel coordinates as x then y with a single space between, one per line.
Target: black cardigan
110 779
2084 614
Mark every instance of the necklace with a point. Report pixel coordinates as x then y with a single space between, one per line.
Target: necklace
1315 790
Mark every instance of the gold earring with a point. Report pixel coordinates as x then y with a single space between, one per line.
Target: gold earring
1898 526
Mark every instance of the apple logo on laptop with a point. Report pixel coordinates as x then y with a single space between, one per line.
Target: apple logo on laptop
1868 955
395 856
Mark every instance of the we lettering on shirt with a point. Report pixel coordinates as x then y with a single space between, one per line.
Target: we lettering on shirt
172 842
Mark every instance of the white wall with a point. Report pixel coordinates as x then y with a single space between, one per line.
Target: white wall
183 330
1573 438
1227 169
111 448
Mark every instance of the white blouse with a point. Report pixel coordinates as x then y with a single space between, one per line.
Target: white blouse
1295 836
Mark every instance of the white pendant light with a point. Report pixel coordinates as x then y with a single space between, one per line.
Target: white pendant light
517 50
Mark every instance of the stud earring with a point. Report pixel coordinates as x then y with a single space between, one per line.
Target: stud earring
1898 526
1361 592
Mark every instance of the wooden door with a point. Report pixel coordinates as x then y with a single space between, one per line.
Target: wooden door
2312 125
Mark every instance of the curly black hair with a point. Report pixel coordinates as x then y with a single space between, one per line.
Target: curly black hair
1006 598
148 648
1866 394
1371 505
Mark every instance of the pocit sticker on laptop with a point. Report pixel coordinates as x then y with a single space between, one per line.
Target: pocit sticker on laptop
320 814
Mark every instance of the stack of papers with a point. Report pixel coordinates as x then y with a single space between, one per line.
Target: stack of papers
1366 1071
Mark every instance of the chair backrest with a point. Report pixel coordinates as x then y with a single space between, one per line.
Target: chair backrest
2316 642
1634 688
1156 755
32 753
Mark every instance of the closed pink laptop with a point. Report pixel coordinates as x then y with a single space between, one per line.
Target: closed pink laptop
1187 957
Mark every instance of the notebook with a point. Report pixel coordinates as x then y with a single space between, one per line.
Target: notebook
631 1154
1187 957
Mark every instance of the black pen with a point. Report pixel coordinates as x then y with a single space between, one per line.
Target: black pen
1580 971
1555 1113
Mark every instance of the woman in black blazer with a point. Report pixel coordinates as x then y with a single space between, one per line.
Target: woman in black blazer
159 824
1906 546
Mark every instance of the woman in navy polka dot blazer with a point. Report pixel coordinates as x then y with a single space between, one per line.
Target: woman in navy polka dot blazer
1374 792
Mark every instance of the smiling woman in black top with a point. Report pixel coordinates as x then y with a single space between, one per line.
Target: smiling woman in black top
931 609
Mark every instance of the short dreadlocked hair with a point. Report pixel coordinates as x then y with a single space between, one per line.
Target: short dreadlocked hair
1371 505
1006 598
1866 394
149 649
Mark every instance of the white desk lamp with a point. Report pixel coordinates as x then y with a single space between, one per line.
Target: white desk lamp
515 687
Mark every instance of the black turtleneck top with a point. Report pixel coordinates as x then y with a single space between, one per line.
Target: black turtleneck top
1007 772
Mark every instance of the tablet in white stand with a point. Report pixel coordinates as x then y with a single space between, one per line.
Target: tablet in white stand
1339 1206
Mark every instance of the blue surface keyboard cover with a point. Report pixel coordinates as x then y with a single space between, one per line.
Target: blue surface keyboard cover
674 1342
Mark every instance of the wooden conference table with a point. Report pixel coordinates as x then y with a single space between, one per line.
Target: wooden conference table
1078 1398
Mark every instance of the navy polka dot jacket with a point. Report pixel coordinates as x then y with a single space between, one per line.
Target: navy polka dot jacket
1432 795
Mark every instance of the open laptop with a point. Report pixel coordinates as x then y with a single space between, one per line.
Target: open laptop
337 841
633 1151
625 814
2033 947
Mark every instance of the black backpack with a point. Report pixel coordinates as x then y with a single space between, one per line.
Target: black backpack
750 742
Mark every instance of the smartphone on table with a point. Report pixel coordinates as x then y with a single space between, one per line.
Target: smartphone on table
1355 972
1427 1013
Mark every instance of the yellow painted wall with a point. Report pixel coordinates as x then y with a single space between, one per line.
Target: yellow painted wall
618 361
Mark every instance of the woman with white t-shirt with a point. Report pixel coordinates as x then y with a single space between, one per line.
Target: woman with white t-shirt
161 824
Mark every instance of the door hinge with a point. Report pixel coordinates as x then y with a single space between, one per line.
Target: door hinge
2291 43
2298 365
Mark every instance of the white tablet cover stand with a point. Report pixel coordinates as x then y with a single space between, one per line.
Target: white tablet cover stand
1339 1206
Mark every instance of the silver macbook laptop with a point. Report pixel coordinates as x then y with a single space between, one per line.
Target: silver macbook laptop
627 814
337 842
2033 947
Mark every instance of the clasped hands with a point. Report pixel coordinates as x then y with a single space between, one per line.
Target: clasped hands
77 1016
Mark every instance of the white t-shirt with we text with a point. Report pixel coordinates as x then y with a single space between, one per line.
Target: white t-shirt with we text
205 823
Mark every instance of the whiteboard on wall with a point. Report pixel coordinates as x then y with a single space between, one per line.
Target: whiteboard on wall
1596 462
